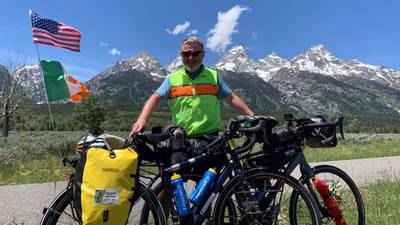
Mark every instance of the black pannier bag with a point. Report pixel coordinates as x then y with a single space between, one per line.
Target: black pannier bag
323 137
275 146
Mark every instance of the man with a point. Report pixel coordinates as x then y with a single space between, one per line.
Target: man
193 92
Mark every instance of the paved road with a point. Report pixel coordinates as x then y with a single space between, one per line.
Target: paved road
24 203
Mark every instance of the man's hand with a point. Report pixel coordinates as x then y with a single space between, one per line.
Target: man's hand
137 127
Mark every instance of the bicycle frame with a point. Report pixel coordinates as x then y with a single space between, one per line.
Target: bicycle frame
297 158
233 165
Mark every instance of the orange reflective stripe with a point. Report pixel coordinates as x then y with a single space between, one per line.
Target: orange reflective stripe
200 89
206 89
180 91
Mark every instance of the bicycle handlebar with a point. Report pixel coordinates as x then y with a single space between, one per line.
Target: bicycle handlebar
249 132
254 129
324 124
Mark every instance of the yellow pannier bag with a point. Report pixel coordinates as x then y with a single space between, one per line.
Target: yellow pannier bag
104 185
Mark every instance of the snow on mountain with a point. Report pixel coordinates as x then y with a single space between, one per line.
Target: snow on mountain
175 64
236 60
318 59
141 62
31 77
268 66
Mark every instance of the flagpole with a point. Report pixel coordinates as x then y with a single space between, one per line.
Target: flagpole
45 91
51 115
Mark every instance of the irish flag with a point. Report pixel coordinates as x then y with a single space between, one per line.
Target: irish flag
59 85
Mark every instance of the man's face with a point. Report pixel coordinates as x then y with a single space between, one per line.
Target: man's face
192 55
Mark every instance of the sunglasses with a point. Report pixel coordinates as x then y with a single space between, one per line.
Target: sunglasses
194 54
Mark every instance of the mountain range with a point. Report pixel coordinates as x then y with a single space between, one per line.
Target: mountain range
315 82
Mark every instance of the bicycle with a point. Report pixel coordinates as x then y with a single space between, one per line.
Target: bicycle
252 196
337 196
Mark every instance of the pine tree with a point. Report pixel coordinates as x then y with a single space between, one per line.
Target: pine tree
90 114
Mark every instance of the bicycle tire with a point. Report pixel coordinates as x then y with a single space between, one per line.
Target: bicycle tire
343 183
276 211
59 207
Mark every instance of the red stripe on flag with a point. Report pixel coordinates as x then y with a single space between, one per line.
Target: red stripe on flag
68 30
43 38
56 45
39 33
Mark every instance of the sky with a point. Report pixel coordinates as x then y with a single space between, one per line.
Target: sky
367 30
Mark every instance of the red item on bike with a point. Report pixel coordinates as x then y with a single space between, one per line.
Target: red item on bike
329 201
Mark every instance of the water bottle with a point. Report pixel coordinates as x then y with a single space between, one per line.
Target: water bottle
204 185
180 195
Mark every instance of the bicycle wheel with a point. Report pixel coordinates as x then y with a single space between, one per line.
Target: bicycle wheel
62 210
264 198
343 189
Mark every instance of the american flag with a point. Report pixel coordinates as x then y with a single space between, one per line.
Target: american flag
50 32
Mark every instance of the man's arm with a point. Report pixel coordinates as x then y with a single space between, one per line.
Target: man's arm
153 102
238 104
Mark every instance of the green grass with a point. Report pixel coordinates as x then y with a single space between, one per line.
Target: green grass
36 156
358 146
33 157
382 202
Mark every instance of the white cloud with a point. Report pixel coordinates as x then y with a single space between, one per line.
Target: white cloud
221 35
103 44
193 32
115 51
180 28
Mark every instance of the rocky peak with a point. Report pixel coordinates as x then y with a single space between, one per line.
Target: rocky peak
273 60
236 60
31 77
318 59
175 64
269 65
141 62
319 51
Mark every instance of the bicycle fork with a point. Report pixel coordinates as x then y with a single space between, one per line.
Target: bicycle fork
332 208
329 200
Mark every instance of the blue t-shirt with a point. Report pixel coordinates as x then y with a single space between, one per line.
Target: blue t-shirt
223 89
